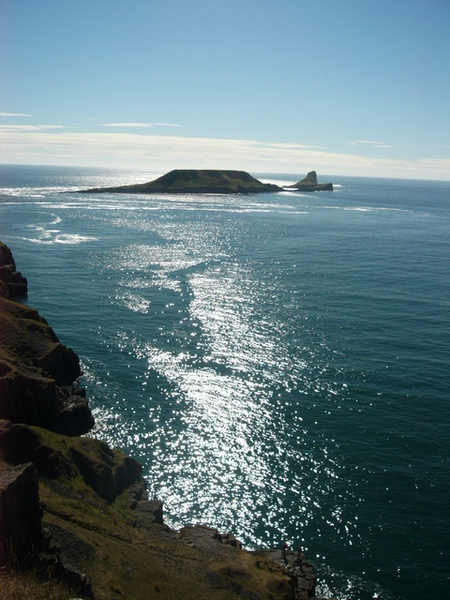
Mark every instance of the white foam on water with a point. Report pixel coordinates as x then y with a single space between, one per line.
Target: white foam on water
375 209
54 237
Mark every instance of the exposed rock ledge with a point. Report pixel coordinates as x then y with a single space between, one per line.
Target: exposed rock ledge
77 511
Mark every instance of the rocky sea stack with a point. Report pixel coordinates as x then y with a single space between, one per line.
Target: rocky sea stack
74 512
309 184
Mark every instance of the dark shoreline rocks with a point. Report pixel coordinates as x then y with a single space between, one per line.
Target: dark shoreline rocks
75 510
298 564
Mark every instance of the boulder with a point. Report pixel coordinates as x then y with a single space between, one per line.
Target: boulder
17 442
75 416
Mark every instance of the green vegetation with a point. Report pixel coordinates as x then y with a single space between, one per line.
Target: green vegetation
116 540
23 586
208 181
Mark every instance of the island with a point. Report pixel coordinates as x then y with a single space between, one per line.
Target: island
192 181
75 518
212 181
309 184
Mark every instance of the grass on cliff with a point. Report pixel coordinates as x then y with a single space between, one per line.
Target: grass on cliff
128 563
124 553
22 586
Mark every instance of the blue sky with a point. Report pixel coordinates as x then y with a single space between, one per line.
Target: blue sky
341 86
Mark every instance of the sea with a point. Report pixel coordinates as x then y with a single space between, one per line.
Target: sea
279 363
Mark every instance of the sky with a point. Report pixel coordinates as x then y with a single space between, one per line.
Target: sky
344 87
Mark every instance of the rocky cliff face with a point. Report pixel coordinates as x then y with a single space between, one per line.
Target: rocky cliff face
37 374
12 282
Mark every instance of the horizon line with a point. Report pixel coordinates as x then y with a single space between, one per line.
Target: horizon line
255 172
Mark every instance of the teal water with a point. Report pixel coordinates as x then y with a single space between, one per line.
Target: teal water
279 363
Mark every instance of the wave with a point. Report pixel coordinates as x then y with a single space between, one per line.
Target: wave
36 192
50 237
375 209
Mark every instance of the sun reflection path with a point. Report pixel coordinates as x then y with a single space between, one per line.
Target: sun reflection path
224 450
224 386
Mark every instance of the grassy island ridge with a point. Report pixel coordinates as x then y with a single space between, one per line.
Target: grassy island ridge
74 513
208 181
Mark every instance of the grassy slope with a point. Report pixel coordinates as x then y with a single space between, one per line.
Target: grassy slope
128 557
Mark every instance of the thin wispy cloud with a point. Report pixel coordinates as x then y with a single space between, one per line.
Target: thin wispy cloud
136 150
139 125
287 146
6 114
372 143
29 128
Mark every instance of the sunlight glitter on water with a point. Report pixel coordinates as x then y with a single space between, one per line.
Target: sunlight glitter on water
220 442
225 302
255 354
222 390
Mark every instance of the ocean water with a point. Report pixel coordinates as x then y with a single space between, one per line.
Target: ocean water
279 363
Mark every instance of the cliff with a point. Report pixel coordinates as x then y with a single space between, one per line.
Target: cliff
37 374
75 511
182 181
12 282
309 184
